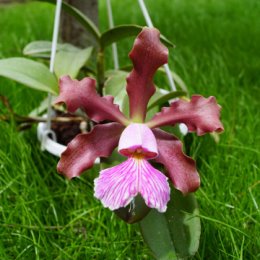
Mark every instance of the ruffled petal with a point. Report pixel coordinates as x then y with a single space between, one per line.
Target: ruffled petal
199 114
154 187
147 55
138 137
116 187
82 94
181 168
83 150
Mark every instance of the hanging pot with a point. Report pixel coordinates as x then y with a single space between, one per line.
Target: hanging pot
55 140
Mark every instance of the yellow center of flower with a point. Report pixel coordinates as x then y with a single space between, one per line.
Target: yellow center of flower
139 154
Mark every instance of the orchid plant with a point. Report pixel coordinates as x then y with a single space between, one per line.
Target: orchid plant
140 141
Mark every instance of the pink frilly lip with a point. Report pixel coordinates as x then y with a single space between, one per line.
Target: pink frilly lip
138 139
117 186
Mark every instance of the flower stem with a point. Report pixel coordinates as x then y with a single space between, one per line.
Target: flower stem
100 72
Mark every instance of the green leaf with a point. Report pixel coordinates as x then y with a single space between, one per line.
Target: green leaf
80 17
184 222
70 60
124 31
163 99
156 234
30 73
133 212
115 86
157 95
174 234
39 49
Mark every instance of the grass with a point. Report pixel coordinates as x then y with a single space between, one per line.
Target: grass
43 216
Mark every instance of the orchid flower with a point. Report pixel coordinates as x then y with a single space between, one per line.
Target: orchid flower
139 141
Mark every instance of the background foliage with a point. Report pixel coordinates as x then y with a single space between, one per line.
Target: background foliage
43 216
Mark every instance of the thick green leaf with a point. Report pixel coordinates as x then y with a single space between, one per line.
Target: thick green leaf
156 234
43 48
134 212
158 94
184 223
30 73
115 86
69 61
39 49
165 98
123 31
176 233
80 17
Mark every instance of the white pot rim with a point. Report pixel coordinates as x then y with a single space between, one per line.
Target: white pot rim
49 144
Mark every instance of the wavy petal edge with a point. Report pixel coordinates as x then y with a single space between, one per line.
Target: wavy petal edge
82 94
200 114
117 186
180 167
83 150
147 55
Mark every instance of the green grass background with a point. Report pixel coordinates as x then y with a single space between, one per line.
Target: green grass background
43 216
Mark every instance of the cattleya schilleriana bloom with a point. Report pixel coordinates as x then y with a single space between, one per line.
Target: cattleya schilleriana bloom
137 140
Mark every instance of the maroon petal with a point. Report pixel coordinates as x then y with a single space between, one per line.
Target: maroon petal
181 168
82 94
147 55
199 114
83 150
